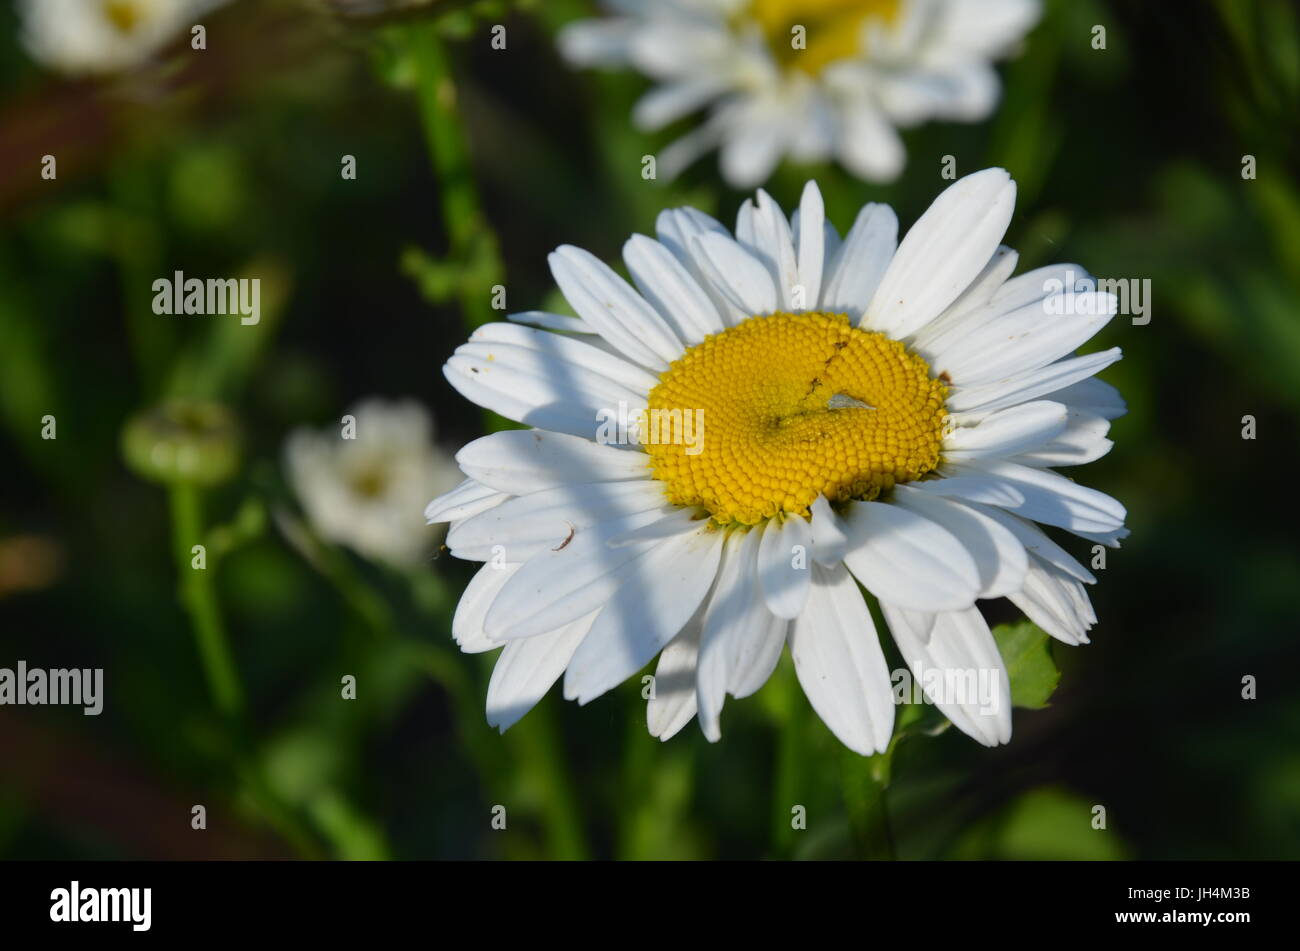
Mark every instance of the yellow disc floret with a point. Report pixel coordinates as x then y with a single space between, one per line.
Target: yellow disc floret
811 34
787 407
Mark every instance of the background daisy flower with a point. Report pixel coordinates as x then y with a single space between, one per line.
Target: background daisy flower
874 412
813 80
102 36
360 491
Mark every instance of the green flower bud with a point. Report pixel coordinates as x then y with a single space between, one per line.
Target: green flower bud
183 441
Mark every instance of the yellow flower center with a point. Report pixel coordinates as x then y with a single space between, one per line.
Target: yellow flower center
832 29
791 406
123 14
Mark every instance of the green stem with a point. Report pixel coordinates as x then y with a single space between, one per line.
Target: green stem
536 743
866 780
200 599
471 242
789 715
199 596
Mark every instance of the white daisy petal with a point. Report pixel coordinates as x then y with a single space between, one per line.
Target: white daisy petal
669 102
870 147
854 272
597 42
997 553
585 354
766 235
972 487
840 664
1055 602
467 499
907 560
560 322
654 531
467 623
964 312
677 228
605 301
783 565
734 612
943 253
735 273
639 619
1082 441
955 333
1023 387
810 243
830 242
1037 543
1092 396
522 461
669 287
539 375
526 670
561 584
984 29
753 637
559 386
954 658
1007 432
1055 500
1041 283
1024 340
756 656
829 539
672 705
751 150
559 516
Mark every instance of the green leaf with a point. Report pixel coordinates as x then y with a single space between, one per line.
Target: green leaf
1033 673
1044 824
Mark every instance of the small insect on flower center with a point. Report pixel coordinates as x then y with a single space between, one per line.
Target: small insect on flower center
792 406
832 29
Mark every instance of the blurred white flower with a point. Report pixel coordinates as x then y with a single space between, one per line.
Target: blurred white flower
812 79
367 492
103 36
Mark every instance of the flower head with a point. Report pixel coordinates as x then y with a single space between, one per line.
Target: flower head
103 36
763 421
360 483
813 79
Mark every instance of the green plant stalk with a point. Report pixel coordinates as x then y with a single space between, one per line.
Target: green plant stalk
471 242
866 781
199 597
536 743
789 717
200 600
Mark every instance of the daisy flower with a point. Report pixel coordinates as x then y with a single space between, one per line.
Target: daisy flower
359 483
814 79
102 36
862 412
